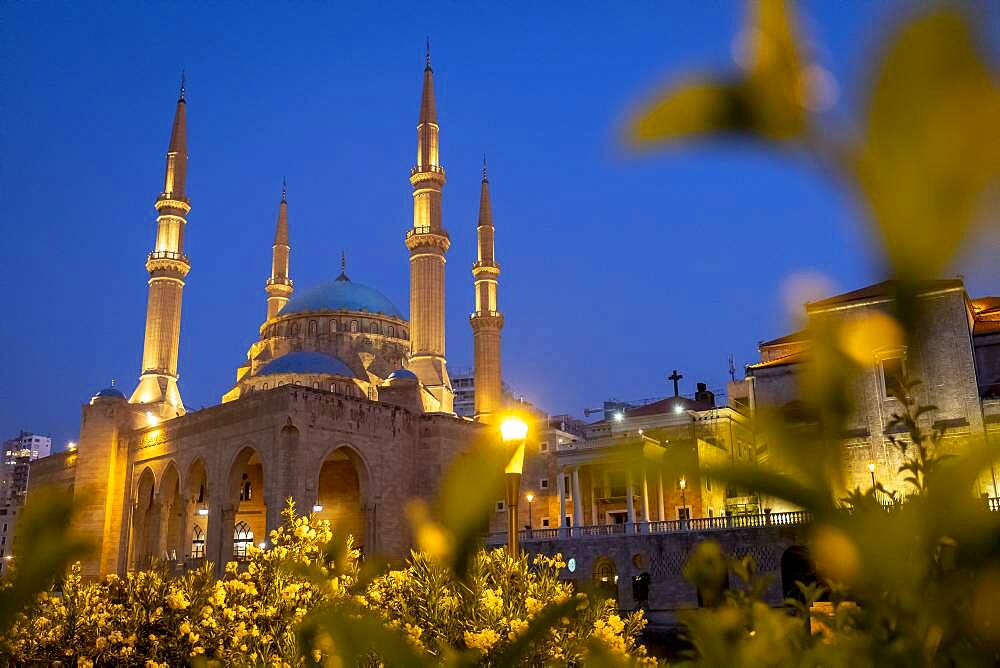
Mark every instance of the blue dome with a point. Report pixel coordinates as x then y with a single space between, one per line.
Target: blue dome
402 374
110 392
342 294
306 362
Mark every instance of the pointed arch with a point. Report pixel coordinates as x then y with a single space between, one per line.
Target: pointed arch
343 493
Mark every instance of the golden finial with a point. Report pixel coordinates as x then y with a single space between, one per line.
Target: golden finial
284 190
183 85
343 263
428 53
484 168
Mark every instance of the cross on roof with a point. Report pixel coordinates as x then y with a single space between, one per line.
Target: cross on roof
676 378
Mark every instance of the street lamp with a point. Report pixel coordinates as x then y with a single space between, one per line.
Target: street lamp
513 431
871 469
531 525
684 484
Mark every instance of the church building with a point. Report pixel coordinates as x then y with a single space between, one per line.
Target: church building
343 404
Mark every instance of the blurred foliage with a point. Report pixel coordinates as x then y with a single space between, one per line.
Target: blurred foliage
912 575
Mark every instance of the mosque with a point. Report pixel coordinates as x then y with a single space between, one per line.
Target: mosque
343 404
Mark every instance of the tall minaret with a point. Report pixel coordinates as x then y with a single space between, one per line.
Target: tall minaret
487 320
167 265
428 242
279 285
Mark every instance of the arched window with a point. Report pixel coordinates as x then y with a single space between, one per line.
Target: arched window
201 493
246 489
354 327
392 331
374 328
333 326
312 328
264 386
316 384
197 543
242 539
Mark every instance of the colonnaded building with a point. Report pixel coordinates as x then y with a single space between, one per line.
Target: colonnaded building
342 404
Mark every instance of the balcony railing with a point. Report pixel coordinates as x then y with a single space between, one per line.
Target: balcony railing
425 230
701 524
167 255
437 169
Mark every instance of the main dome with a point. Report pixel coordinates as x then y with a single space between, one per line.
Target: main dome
306 362
341 294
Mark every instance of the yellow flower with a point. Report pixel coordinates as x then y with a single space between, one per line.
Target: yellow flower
177 600
481 640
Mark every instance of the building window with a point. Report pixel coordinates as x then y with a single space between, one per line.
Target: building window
892 375
683 513
545 521
245 488
501 506
568 521
197 543
354 327
375 328
392 331
543 483
333 326
708 484
264 386
295 329
312 327
543 446
242 540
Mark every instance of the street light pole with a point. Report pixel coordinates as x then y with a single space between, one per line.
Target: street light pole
513 431
871 469
531 525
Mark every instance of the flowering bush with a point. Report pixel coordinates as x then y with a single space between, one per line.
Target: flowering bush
253 615
494 606
150 618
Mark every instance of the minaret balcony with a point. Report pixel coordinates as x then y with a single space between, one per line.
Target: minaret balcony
426 236
425 169
486 320
485 267
279 280
168 255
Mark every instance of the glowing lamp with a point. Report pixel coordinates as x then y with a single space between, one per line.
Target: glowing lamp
684 482
317 508
871 467
678 408
530 497
203 511
151 419
513 429
262 545
71 446
619 416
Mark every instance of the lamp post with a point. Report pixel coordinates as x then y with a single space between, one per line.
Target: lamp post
871 470
684 484
531 525
513 431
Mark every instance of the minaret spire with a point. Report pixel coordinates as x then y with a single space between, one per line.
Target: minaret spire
486 320
279 286
183 82
428 243
343 267
168 266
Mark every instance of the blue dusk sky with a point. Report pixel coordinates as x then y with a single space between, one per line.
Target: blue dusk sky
616 268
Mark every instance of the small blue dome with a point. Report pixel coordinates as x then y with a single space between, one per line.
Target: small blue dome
342 294
402 374
110 392
306 362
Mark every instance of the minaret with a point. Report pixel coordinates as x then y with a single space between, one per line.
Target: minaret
428 242
487 321
167 265
279 285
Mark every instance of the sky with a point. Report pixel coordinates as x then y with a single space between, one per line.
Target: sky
616 268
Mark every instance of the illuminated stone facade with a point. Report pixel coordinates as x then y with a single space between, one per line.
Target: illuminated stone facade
343 403
954 352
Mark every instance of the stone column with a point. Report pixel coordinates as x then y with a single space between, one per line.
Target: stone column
593 497
659 494
184 529
645 496
629 492
577 499
561 489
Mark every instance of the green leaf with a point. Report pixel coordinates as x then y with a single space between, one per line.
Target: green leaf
767 101
930 146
